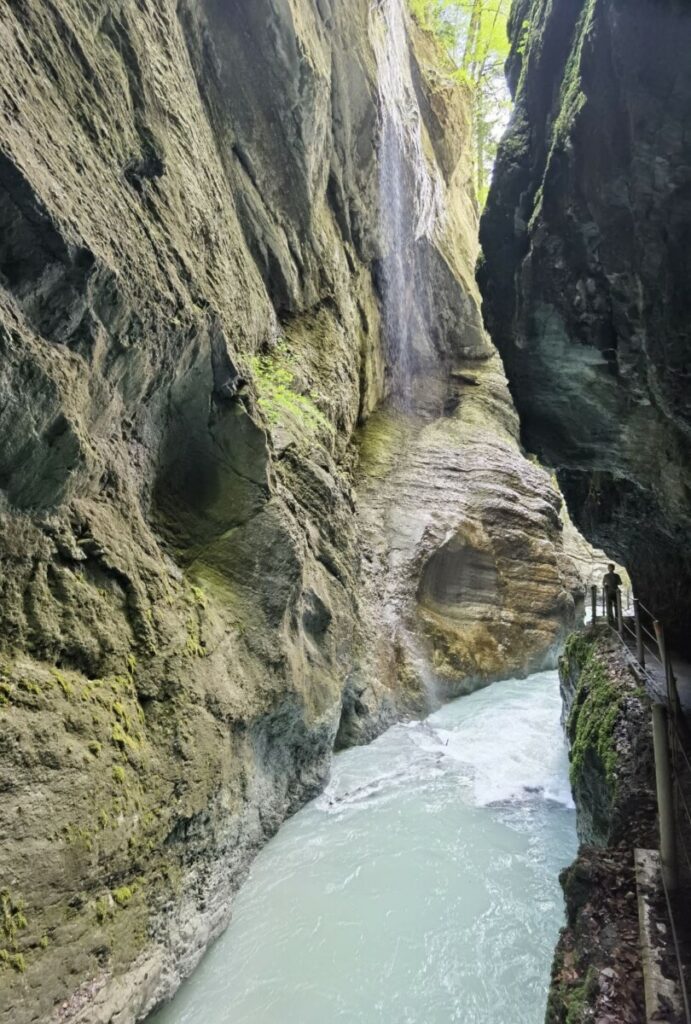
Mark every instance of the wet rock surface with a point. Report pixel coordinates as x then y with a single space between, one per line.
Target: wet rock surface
597 975
585 239
467 557
608 723
190 335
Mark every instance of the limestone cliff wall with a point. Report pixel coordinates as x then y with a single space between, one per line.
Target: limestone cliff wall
585 279
190 335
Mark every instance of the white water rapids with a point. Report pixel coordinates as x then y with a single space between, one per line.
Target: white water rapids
420 888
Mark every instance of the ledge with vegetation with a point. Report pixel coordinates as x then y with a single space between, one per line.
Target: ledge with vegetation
596 974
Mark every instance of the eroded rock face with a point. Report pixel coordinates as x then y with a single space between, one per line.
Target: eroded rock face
585 280
190 334
466 541
608 723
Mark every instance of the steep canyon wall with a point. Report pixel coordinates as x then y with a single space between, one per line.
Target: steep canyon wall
586 240
203 587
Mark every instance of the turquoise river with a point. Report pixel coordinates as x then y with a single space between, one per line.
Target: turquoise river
420 888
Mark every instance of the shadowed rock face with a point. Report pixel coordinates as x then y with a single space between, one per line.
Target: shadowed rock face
190 335
585 280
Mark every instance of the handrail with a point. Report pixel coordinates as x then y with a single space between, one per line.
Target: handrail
633 659
646 610
683 754
686 806
652 654
648 633
677 830
677 953
678 752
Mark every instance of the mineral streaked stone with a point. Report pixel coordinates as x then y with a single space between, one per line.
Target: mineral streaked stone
585 279
467 541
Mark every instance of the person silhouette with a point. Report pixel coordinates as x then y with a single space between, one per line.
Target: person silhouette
611 583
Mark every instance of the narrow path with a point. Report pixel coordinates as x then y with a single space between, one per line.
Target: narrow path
680 752
656 672
653 675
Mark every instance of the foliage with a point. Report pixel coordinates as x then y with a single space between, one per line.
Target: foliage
12 917
13 960
571 998
474 32
123 895
104 909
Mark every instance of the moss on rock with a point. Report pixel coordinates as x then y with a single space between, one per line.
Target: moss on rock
608 723
594 712
609 731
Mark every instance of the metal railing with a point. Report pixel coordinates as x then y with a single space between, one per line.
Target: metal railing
642 637
673 778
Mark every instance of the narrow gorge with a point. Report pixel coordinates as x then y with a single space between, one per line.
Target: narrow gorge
273 538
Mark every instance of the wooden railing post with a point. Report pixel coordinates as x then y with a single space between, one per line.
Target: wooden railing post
665 799
640 646
593 602
620 614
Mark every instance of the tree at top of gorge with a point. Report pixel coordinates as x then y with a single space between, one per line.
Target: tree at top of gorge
474 34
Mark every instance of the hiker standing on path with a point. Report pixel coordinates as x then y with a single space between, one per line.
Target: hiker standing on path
611 584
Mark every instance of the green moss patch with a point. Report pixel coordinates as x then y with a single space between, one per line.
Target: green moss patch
382 441
595 710
280 398
123 895
12 922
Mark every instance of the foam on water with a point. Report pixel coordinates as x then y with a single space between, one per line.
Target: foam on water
527 756
421 887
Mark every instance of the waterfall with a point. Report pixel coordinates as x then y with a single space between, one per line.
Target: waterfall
411 194
411 209
401 140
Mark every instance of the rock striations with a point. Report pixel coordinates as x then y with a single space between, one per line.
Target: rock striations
201 592
585 280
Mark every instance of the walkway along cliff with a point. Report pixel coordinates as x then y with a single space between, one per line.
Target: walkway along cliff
236 517
585 286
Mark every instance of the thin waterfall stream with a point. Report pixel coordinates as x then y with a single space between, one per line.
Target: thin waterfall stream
420 888
411 192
